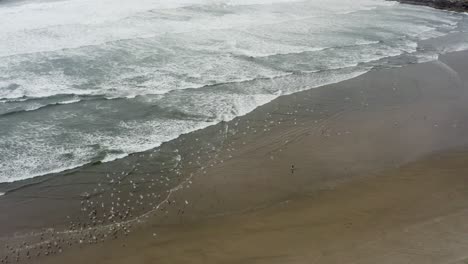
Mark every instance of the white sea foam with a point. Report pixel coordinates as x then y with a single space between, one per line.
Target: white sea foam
195 50
69 101
48 26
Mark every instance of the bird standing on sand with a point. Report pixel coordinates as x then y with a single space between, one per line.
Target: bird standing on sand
292 169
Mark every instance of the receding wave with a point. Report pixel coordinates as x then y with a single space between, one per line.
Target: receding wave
37 107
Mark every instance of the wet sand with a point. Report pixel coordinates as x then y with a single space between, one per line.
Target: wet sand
380 177
413 214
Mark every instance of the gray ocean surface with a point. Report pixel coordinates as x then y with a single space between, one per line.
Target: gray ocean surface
84 80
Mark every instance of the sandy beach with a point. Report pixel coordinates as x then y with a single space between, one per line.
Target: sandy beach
414 214
380 176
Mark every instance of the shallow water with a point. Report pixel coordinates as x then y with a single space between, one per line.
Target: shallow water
82 81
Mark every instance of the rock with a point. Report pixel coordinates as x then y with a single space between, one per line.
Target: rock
453 5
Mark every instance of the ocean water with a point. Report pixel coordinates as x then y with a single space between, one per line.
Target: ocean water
95 80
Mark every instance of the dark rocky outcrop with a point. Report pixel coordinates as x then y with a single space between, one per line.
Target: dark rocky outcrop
453 5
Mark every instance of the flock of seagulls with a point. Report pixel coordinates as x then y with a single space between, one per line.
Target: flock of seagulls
126 198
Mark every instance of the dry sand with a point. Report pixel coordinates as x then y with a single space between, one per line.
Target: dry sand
380 177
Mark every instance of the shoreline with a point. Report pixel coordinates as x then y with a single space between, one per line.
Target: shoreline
439 44
17 183
334 135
